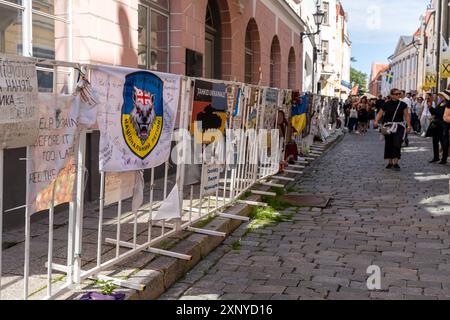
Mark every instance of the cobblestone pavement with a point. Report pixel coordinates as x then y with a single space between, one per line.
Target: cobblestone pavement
397 221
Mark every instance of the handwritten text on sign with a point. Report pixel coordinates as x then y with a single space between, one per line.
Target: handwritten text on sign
210 179
18 97
53 166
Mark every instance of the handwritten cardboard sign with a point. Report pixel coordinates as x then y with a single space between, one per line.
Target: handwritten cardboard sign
18 102
52 165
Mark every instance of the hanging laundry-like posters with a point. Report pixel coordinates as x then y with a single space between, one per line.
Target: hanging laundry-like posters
18 102
136 116
52 165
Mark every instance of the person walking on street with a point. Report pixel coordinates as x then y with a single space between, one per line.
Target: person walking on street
426 117
363 116
417 110
379 104
395 113
371 113
347 107
406 98
439 128
447 114
353 118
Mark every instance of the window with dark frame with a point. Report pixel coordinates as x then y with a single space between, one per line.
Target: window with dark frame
153 35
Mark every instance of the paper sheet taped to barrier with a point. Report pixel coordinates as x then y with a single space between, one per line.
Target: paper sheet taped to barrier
52 164
18 102
136 116
119 186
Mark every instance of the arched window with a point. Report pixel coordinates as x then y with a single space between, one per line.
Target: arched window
213 38
252 53
292 70
275 63
153 35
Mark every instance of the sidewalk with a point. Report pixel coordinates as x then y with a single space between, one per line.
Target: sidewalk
397 221
145 269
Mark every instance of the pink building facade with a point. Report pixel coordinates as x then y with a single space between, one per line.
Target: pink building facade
248 41
251 41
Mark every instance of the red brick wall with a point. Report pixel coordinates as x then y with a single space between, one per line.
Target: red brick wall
188 31
106 32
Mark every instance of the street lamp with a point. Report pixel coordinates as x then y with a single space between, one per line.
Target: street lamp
318 16
417 44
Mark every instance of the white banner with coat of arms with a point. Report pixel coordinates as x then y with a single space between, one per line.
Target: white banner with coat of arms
137 111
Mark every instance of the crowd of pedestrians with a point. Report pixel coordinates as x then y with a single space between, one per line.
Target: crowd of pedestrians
399 115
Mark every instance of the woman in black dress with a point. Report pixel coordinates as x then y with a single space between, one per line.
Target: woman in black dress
363 116
395 113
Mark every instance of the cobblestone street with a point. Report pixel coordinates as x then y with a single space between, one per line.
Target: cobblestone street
397 221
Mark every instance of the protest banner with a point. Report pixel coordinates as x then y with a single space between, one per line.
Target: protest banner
136 117
53 166
209 109
18 102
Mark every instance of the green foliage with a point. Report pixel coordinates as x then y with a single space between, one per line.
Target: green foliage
360 78
245 195
276 203
263 217
279 191
236 245
107 287
204 222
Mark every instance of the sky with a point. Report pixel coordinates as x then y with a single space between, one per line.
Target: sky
375 27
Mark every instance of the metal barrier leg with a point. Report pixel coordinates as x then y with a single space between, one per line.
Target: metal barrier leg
26 271
1 219
51 214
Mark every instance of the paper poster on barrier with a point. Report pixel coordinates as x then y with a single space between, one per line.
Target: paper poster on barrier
18 102
210 179
53 165
119 186
209 109
269 115
253 108
234 98
136 116
170 208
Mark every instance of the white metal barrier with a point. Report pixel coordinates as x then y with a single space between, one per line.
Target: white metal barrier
250 127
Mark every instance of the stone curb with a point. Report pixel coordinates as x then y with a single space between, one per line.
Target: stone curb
163 272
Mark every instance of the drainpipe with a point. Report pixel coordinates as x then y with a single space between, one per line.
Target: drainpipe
439 45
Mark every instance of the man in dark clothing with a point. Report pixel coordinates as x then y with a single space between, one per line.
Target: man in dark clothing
347 107
379 104
440 133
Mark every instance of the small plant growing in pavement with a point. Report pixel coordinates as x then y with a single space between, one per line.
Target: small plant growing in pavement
107 287
263 217
236 245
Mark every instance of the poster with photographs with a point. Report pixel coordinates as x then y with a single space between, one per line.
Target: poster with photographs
209 112
253 107
270 110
